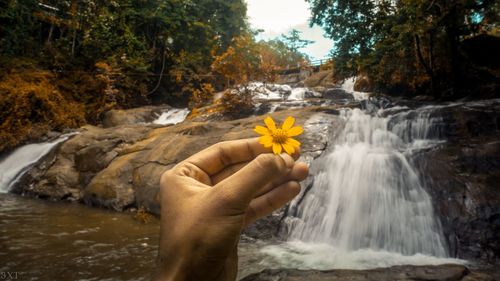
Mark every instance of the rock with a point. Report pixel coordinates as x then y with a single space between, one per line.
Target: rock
363 84
132 116
319 89
322 78
120 167
338 94
448 272
65 172
462 178
423 98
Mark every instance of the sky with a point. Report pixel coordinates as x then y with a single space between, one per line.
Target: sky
278 17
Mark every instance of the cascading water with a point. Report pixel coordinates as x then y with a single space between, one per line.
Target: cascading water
368 195
172 116
14 165
367 206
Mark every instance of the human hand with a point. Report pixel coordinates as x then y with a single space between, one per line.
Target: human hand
207 199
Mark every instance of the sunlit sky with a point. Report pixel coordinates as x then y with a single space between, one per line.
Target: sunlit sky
278 17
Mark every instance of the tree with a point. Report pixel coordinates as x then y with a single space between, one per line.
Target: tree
294 42
410 45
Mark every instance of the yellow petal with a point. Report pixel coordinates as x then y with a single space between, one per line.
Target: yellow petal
277 148
261 130
289 121
293 142
295 131
288 148
270 123
267 141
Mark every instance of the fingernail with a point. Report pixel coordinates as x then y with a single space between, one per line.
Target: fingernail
288 160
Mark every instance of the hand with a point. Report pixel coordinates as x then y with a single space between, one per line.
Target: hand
207 199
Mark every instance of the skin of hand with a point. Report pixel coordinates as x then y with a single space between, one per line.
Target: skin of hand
207 199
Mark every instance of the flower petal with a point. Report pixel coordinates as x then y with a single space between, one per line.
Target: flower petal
287 125
267 141
277 148
295 131
288 148
270 123
293 142
262 130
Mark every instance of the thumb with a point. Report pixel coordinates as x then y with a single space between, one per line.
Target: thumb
242 186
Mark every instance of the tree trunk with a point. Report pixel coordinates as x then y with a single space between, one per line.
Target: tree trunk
51 31
428 69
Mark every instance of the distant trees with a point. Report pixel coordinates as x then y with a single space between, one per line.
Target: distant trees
404 45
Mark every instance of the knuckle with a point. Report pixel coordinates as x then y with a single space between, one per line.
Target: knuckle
165 178
272 162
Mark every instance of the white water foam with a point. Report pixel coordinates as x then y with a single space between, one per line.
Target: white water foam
172 116
348 86
301 255
367 207
300 94
18 162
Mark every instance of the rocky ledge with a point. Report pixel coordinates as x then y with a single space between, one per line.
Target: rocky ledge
447 272
120 167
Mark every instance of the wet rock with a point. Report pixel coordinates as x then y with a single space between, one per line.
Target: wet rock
449 272
462 177
120 167
373 104
363 84
132 116
338 94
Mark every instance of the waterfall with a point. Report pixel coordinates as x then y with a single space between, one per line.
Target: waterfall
367 206
368 194
172 116
18 162
348 86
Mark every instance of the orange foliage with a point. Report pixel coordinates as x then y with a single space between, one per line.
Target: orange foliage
30 105
236 103
240 63
202 96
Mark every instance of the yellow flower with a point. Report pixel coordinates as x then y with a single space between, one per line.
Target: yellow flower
280 138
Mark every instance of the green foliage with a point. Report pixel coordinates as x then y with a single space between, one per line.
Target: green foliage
294 42
285 56
407 45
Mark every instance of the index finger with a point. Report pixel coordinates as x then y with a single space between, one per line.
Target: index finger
223 154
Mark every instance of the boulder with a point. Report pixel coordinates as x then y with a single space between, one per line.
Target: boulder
132 116
337 94
322 78
363 84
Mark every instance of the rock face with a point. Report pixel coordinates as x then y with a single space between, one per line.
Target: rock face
120 167
463 176
449 272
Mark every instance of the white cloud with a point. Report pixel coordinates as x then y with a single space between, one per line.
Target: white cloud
278 17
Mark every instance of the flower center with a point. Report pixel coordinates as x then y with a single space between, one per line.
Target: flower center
279 136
